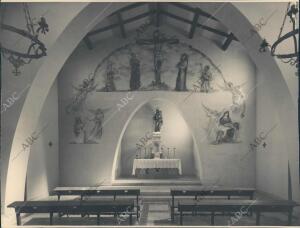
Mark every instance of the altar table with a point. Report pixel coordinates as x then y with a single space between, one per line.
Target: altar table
157 164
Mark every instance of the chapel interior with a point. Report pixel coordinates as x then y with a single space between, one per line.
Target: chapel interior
150 114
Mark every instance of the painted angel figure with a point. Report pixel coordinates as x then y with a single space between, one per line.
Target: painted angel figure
87 86
205 78
238 97
97 121
221 128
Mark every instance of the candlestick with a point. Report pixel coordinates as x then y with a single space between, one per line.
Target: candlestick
174 152
145 152
168 152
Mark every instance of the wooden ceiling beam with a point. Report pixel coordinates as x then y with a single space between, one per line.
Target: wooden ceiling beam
218 32
194 25
227 42
193 10
129 20
121 23
88 42
129 7
157 14
157 11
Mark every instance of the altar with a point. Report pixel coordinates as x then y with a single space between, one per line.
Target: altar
157 164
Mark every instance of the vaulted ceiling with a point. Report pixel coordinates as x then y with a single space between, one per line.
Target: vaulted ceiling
183 17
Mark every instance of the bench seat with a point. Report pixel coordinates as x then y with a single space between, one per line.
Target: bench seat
258 206
73 207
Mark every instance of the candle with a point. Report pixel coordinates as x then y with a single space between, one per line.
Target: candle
174 152
168 152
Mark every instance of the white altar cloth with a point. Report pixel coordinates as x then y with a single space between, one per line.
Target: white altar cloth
157 164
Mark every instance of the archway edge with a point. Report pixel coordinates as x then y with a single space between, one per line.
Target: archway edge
57 55
118 151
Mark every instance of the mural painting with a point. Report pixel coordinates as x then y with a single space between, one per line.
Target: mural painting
88 127
144 64
221 127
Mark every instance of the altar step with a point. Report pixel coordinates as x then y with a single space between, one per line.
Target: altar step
156 182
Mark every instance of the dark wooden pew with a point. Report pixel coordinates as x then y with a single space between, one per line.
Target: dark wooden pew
198 192
74 207
113 191
257 206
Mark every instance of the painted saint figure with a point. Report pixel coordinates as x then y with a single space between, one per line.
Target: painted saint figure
227 130
221 128
78 126
205 78
97 120
109 80
157 40
135 81
182 73
158 120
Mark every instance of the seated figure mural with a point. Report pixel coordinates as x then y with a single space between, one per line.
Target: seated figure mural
227 131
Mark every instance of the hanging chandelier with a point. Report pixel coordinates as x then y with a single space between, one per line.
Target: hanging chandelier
293 57
35 50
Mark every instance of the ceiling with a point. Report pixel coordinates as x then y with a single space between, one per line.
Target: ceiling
186 19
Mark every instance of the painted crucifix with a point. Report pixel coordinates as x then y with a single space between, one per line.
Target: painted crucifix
157 40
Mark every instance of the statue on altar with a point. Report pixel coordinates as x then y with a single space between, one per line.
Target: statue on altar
158 120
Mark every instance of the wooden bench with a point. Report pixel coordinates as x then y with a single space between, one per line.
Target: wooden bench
197 192
113 191
234 206
74 207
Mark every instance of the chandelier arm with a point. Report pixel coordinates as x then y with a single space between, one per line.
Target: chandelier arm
29 22
284 19
22 55
294 37
26 34
283 56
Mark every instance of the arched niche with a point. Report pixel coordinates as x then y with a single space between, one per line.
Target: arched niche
175 133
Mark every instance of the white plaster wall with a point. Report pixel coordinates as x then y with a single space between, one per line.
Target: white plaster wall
272 107
58 16
82 165
43 168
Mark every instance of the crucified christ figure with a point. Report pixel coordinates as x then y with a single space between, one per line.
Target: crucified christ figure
157 40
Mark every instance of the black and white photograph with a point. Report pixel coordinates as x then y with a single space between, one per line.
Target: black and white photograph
150 113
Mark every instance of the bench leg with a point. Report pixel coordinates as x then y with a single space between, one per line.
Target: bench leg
98 219
18 219
290 217
137 207
212 218
51 218
130 219
172 209
257 218
181 218
251 198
